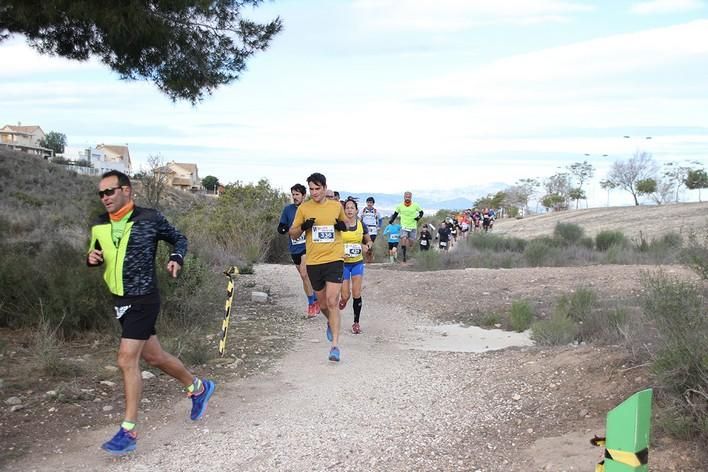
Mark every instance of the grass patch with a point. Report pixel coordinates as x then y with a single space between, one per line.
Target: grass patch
677 311
558 330
521 315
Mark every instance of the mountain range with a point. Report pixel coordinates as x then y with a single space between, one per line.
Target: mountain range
430 200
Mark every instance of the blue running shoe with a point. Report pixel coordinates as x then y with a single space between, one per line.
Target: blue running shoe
329 333
122 443
334 354
199 402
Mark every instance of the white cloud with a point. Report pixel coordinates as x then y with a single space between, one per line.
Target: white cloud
19 59
655 7
455 15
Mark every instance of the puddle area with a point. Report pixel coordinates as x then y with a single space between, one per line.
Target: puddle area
458 338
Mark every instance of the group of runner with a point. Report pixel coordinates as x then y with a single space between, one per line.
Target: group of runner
329 244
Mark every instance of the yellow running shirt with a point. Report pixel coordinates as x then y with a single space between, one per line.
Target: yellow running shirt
322 244
353 240
408 214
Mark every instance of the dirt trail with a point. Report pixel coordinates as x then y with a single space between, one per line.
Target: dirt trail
385 407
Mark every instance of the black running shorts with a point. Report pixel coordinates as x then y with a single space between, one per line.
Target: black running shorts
392 245
320 274
297 258
138 321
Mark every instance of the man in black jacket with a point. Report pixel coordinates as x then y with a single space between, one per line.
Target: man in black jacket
124 240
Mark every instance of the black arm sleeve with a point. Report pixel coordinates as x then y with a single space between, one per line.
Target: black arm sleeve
420 214
283 228
393 218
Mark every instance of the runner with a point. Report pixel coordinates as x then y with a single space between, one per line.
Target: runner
297 247
410 214
426 238
372 220
124 240
394 235
323 220
356 234
444 236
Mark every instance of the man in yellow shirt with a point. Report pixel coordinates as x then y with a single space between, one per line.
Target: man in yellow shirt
323 220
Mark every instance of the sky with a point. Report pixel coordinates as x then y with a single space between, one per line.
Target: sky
446 97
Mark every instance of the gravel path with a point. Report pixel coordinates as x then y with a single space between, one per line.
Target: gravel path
384 407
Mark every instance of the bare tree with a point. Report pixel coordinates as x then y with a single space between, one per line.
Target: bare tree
154 180
626 174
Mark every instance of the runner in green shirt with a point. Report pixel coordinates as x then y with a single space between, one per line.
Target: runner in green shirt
410 214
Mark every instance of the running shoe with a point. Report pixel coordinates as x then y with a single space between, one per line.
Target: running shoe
356 329
312 310
342 304
329 333
334 354
199 402
122 443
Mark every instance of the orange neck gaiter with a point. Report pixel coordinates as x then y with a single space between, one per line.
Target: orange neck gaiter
120 214
407 203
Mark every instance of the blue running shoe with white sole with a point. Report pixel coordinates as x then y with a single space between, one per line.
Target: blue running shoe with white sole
334 354
122 443
329 333
199 402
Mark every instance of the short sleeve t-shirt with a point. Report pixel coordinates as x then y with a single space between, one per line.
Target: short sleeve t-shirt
408 215
323 244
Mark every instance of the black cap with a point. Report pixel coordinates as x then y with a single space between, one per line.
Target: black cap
370 199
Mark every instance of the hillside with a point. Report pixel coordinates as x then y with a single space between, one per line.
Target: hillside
651 221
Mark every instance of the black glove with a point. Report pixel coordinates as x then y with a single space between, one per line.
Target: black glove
282 228
417 218
307 224
340 225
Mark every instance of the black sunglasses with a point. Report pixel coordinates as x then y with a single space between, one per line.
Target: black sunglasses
108 192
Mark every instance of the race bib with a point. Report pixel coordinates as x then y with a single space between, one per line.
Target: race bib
120 310
352 250
423 242
323 234
373 230
394 238
443 244
300 240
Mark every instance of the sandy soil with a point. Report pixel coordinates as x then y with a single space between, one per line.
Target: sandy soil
390 405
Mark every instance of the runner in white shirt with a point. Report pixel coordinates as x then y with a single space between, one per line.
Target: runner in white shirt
372 220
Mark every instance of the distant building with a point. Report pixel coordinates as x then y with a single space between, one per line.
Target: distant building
105 157
26 139
183 176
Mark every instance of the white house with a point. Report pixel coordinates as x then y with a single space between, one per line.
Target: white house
183 176
25 138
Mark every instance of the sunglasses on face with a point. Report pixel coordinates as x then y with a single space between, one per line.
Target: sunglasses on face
108 192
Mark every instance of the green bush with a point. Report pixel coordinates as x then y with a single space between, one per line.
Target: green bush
606 239
558 330
586 242
578 305
568 233
521 315
495 243
695 254
51 282
242 222
428 260
539 253
677 310
489 320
